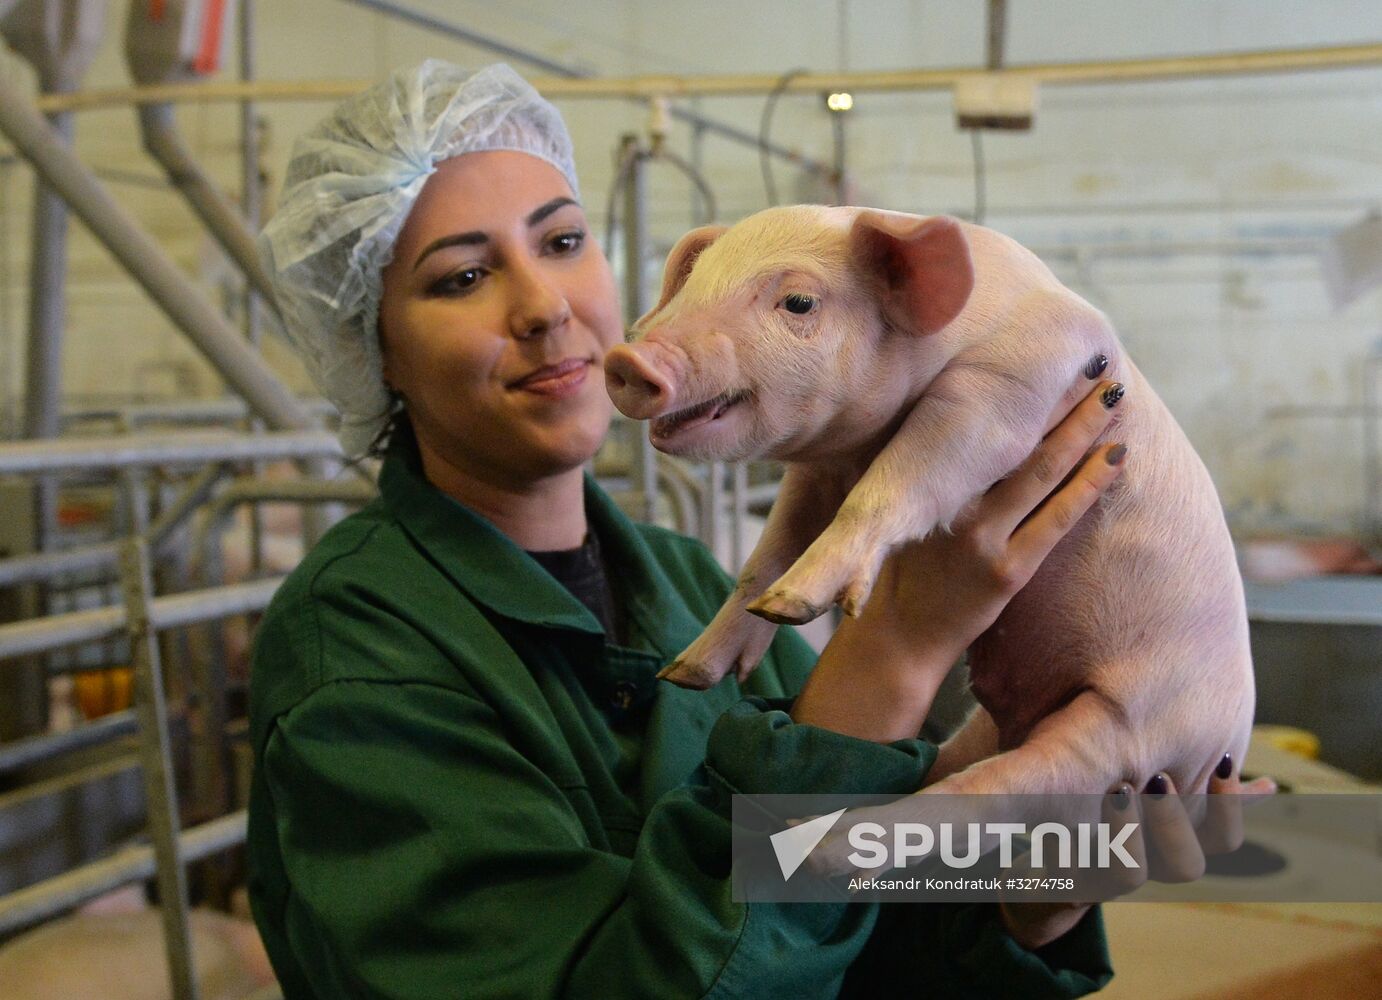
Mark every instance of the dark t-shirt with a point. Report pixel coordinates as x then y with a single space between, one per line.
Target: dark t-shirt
582 572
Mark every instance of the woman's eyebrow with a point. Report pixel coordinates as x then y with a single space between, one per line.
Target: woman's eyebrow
542 211
454 240
476 238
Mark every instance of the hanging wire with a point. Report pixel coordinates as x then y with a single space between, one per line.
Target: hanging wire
765 126
709 206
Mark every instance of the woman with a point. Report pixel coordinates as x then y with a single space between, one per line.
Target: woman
468 780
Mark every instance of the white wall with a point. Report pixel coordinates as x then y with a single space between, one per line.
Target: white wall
1225 338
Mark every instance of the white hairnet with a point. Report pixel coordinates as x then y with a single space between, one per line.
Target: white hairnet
350 185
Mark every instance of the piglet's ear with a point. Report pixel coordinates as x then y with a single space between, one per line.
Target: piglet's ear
923 266
683 258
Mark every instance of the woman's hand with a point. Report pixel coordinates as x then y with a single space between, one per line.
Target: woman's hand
1173 849
880 671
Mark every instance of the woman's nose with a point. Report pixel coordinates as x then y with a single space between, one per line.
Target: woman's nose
539 306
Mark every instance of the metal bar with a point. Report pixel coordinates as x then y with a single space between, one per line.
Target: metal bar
997 31
195 448
747 85
147 262
119 760
695 119
171 611
712 509
740 513
41 565
22 569
44 900
635 305
22 753
156 756
189 411
225 223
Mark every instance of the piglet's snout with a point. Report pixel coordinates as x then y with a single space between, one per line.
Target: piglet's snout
636 383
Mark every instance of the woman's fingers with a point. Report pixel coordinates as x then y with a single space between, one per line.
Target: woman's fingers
1173 847
1118 809
1013 500
1222 832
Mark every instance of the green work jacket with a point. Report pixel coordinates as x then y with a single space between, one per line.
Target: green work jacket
463 789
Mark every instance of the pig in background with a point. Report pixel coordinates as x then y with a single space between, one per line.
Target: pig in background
902 365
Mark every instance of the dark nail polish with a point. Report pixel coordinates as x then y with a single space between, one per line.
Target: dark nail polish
1096 366
1122 797
1158 785
1110 396
1225 767
1116 454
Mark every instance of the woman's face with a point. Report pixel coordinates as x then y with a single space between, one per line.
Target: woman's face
496 313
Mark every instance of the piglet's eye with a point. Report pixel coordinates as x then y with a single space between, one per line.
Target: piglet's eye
799 303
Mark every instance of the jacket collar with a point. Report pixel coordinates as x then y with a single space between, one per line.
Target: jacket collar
495 572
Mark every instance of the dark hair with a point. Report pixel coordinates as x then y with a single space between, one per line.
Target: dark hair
397 413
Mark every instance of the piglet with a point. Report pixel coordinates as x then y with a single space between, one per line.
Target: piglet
900 366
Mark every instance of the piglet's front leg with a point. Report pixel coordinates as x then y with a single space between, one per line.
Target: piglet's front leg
958 440
735 640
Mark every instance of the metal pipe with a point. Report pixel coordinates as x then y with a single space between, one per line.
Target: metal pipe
76 454
695 119
47 309
249 204
156 758
635 305
44 900
158 126
146 261
744 85
171 611
22 753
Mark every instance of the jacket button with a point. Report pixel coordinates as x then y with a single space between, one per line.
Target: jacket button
623 694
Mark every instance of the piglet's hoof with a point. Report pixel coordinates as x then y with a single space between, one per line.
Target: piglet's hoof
783 608
696 676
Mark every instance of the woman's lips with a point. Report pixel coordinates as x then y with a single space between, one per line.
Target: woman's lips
556 381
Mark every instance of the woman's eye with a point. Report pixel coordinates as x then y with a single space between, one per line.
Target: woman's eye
458 281
567 242
799 303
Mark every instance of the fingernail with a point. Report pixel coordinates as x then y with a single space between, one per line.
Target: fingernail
1116 454
1158 785
1225 767
1096 366
665 671
1110 396
1122 798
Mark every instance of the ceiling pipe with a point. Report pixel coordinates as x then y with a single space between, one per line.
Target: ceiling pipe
748 85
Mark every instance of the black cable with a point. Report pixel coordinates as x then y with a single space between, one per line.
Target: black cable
709 209
765 128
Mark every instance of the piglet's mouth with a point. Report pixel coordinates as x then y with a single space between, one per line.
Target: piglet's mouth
693 416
